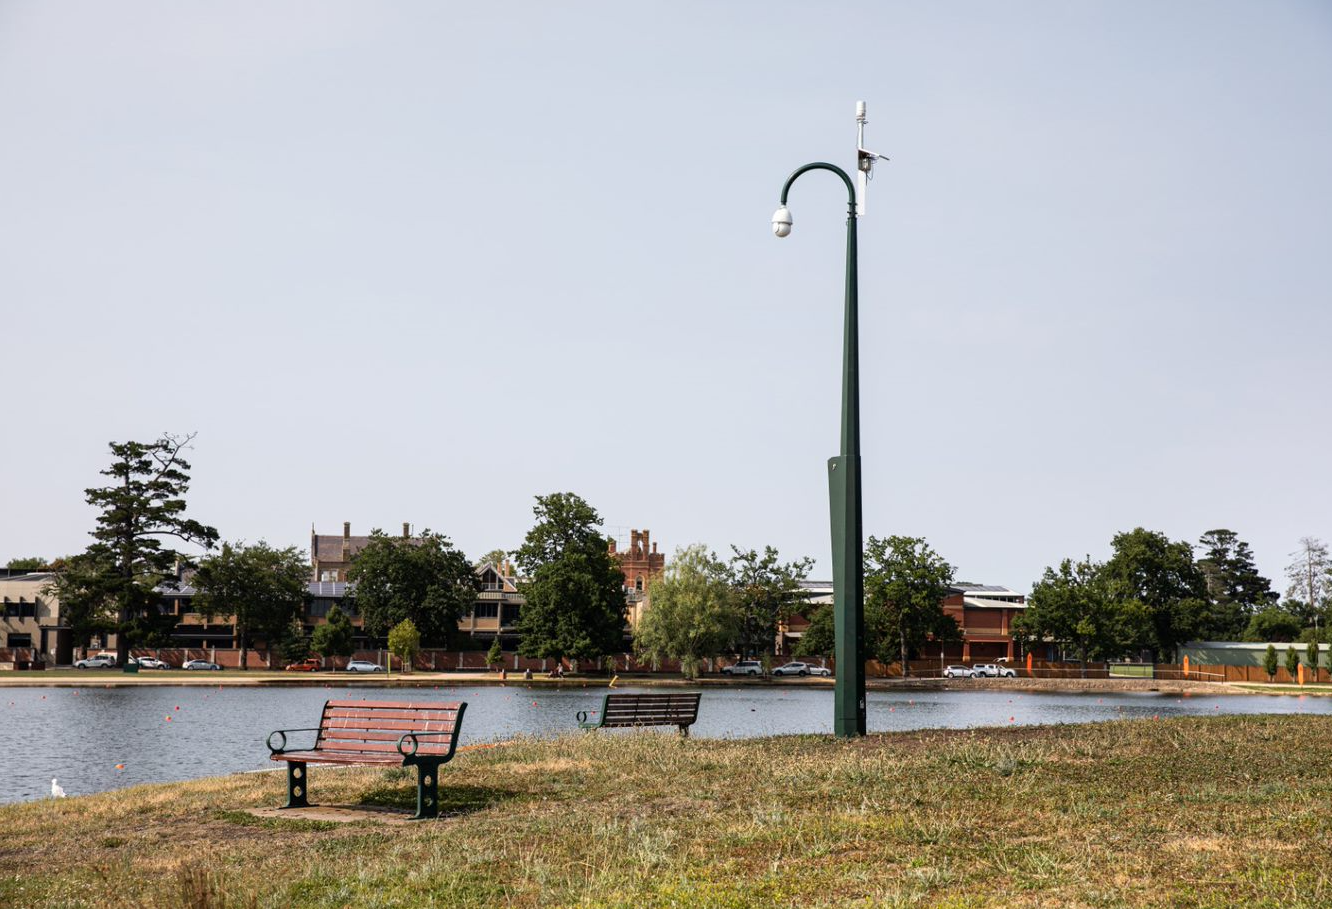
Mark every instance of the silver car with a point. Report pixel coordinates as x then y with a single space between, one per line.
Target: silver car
801 669
958 672
364 666
95 662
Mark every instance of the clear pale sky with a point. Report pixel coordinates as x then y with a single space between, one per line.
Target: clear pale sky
421 262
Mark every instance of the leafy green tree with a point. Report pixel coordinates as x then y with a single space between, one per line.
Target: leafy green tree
1270 662
404 642
1311 656
1235 589
1073 606
1159 575
575 601
767 590
31 563
113 583
1292 661
1272 624
425 580
820 637
905 585
293 643
334 637
495 656
495 557
691 612
262 588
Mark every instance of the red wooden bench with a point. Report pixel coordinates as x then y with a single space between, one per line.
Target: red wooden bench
422 734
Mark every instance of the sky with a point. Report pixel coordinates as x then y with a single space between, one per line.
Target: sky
425 261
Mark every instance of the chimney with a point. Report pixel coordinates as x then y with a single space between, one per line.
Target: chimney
654 548
611 544
406 530
346 541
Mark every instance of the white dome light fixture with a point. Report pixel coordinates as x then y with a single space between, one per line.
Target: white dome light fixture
781 222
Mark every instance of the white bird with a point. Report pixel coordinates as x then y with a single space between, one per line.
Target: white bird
56 791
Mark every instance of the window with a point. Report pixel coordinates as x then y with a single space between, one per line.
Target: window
486 610
20 640
638 583
328 575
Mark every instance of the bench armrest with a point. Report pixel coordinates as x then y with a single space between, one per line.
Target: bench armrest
581 717
283 732
415 744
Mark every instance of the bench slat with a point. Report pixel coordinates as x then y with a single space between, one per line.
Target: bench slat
396 705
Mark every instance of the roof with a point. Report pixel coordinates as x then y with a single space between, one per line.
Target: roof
328 547
984 603
964 587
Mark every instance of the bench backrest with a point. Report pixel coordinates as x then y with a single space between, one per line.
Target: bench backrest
650 709
374 727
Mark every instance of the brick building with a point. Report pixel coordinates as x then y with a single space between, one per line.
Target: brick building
331 556
640 563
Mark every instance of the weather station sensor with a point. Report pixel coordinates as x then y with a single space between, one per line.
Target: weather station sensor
864 159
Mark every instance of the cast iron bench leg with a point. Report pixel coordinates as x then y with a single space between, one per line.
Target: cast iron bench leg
298 785
427 791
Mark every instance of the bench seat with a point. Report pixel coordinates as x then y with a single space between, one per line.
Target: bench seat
621 710
421 734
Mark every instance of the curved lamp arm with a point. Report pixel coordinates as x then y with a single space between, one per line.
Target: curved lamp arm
822 165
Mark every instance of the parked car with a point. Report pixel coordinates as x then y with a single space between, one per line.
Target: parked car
309 664
364 666
992 671
96 662
151 663
200 664
744 667
801 669
958 672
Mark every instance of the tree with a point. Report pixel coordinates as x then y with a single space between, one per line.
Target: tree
495 656
767 590
1292 661
1272 624
1148 569
263 588
575 602
31 563
1311 656
293 644
1074 607
1310 576
334 637
820 637
113 583
905 585
425 580
1235 589
691 613
404 641
495 557
1270 662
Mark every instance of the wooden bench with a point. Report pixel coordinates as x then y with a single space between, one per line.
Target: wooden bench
422 734
625 710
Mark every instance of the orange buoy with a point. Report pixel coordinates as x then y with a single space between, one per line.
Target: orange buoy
120 766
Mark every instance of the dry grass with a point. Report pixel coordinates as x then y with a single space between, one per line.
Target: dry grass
1203 812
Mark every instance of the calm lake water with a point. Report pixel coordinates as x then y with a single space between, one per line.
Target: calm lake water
162 734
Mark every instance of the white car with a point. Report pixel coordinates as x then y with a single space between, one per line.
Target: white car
96 662
993 671
744 667
364 666
801 669
152 663
958 672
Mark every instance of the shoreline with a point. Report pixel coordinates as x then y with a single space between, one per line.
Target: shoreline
269 679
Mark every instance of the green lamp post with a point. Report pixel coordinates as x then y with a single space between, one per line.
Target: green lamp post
844 470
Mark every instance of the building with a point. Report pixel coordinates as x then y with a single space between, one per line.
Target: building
331 556
984 613
639 564
30 620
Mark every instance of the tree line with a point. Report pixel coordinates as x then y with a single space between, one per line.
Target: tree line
1150 596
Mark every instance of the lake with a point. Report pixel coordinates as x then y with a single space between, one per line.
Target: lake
162 734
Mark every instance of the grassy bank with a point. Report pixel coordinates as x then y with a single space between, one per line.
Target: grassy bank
1190 812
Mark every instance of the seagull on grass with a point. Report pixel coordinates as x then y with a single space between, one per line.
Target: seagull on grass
57 792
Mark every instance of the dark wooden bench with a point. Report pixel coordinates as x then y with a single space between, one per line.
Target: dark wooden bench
623 710
421 734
